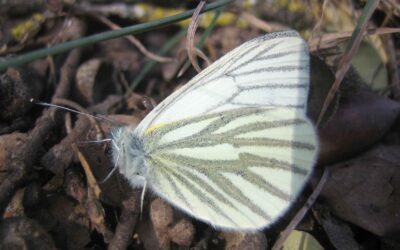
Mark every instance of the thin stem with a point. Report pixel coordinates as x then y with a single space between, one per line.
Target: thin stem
135 29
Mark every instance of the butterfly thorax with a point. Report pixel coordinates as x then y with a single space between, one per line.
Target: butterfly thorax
129 155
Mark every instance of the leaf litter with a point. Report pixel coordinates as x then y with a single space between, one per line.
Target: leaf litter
51 195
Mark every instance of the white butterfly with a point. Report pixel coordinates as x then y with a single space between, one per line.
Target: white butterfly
233 147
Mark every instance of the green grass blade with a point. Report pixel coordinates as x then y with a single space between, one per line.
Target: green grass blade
135 29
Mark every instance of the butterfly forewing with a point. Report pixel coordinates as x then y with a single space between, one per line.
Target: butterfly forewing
268 71
236 169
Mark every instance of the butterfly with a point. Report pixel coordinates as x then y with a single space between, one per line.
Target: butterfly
233 147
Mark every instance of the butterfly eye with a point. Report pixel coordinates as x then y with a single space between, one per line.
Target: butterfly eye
108 151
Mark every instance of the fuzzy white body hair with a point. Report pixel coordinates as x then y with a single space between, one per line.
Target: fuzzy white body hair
129 155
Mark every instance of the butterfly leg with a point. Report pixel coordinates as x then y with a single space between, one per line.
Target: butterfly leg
142 197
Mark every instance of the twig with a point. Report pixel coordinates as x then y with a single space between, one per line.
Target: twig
326 41
345 61
126 225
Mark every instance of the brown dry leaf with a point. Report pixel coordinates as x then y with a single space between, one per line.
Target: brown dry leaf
91 180
95 79
121 55
8 144
161 215
127 222
366 191
24 233
321 81
66 219
147 235
85 78
139 106
339 232
74 185
15 208
18 87
54 183
94 208
168 227
115 188
360 121
182 233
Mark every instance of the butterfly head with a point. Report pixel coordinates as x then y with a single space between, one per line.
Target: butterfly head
129 155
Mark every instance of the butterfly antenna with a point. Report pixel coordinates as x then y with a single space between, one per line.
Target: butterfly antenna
109 175
95 141
32 100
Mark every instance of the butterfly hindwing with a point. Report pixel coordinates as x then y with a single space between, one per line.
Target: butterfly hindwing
232 169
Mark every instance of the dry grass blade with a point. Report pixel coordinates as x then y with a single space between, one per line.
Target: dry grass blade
256 22
299 216
190 36
394 71
318 25
392 6
332 40
93 206
91 180
201 54
345 61
134 41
